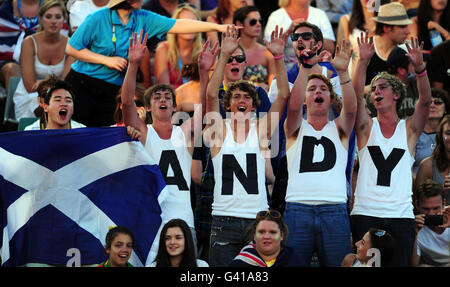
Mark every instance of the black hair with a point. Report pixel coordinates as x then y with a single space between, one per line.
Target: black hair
241 13
429 188
244 86
424 15
317 33
385 243
189 259
113 232
443 95
57 85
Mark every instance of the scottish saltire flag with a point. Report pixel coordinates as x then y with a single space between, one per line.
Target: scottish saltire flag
62 189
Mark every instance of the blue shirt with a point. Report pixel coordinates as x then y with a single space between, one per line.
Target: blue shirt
95 34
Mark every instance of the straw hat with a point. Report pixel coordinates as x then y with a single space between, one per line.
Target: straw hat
393 14
113 3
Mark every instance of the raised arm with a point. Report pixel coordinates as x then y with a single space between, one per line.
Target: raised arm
136 54
298 93
189 26
206 60
416 122
340 62
363 122
276 47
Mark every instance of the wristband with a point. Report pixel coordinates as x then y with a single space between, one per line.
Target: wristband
346 82
304 59
424 72
421 72
278 57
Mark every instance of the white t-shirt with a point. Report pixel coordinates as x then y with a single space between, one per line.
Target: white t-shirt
200 263
37 125
433 248
80 9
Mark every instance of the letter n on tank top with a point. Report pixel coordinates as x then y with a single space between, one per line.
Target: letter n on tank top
307 163
383 165
169 158
231 167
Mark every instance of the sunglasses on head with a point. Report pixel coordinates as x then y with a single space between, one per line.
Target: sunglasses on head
253 22
271 212
437 102
380 233
304 35
182 5
238 58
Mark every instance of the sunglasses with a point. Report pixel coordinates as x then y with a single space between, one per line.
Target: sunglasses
253 22
380 233
182 5
271 212
437 102
305 36
238 58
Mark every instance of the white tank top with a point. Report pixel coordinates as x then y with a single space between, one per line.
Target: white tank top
384 185
43 71
175 163
239 174
316 166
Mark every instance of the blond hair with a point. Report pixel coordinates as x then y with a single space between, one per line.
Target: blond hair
173 51
397 86
283 3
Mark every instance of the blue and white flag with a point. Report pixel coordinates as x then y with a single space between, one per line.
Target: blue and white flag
63 189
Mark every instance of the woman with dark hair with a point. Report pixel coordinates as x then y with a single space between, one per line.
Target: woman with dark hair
119 246
377 246
440 106
437 166
260 69
176 246
102 52
351 25
267 247
432 23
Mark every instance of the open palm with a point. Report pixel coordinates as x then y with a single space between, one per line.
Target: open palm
138 45
342 56
277 41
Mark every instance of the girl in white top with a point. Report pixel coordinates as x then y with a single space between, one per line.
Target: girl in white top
45 52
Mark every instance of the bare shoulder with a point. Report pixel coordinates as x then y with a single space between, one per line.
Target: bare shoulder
348 260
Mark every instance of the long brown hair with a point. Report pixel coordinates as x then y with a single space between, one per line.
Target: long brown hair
439 154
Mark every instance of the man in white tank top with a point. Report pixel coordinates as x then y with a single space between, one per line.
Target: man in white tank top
316 151
170 145
386 146
239 146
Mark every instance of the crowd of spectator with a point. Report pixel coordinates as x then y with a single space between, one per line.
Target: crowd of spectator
326 131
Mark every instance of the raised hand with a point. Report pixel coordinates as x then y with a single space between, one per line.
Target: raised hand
309 56
230 40
137 48
277 41
366 47
342 56
208 55
415 54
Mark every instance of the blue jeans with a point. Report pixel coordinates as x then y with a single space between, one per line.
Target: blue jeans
228 236
402 229
321 228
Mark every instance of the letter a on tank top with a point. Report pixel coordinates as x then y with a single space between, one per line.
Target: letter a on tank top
169 158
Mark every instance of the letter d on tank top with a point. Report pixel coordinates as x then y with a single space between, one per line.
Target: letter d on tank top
329 159
385 166
230 167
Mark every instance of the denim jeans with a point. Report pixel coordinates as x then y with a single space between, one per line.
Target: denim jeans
402 229
228 236
321 228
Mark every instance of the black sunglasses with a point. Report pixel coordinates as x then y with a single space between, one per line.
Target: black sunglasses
185 4
239 59
271 212
253 22
437 102
305 36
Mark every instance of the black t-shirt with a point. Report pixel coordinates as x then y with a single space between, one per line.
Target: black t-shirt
376 66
